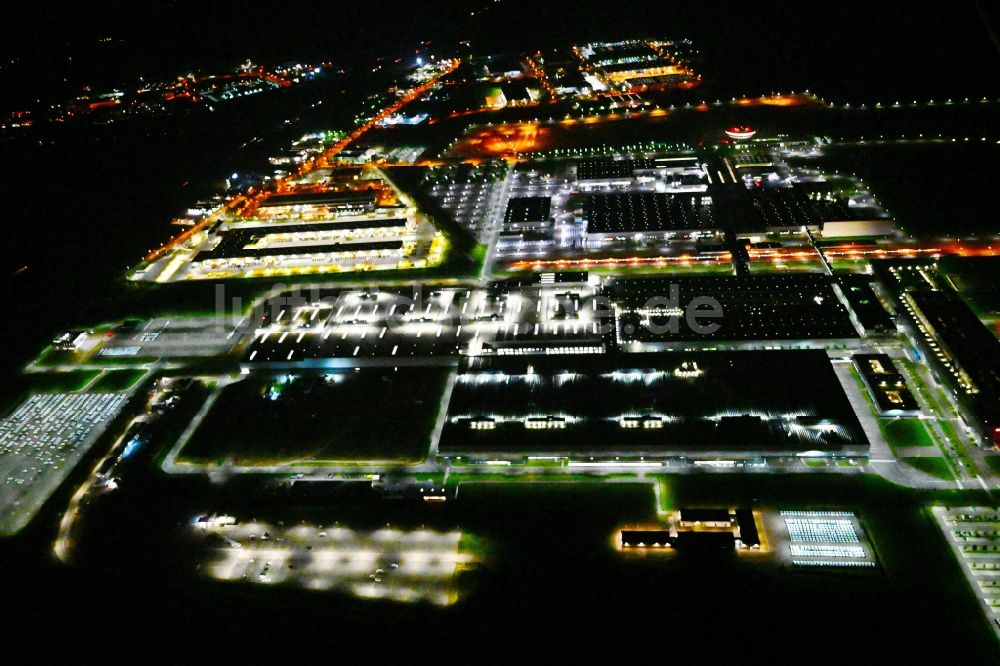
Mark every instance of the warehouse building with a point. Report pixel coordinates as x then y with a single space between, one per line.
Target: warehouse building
646 217
967 352
318 203
528 214
886 386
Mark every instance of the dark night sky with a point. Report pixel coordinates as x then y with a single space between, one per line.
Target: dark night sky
848 47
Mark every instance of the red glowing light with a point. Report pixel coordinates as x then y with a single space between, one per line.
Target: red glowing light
740 133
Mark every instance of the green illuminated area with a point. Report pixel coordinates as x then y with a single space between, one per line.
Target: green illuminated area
118 380
936 467
903 433
63 382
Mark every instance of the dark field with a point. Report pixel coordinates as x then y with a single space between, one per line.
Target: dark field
700 124
931 189
551 565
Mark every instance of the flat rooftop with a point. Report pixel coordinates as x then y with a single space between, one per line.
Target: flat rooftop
701 515
234 241
969 343
344 197
604 56
754 307
885 384
705 542
355 414
646 538
782 207
684 403
603 168
637 212
236 249
735 209
749 535
522 210
865 303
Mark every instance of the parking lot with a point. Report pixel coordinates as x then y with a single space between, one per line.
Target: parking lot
390 564
41 441
471 203
566 234
973 534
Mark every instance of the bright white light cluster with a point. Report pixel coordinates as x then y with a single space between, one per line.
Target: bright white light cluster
388 564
